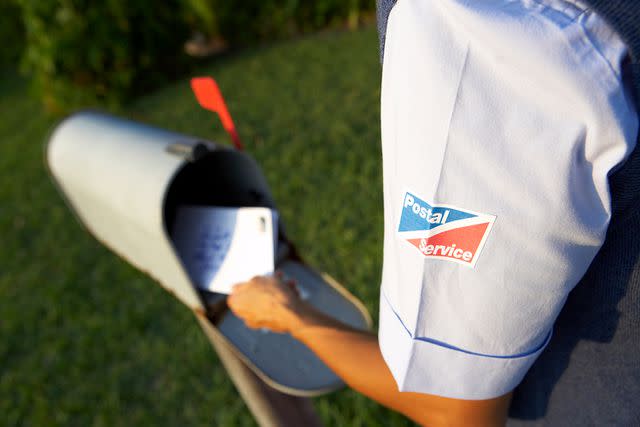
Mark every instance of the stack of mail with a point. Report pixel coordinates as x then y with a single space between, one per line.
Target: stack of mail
220 247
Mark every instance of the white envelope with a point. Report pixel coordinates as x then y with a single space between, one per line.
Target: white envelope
220 247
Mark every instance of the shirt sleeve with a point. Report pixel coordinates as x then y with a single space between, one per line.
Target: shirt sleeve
500 126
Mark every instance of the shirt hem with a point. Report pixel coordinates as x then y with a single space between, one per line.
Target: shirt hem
430 366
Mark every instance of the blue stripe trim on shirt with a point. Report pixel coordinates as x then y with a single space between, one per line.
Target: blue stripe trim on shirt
473 353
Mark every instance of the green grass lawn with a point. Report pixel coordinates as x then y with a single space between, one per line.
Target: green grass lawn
86 340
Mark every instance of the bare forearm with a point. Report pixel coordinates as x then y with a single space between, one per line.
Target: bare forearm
356 358
342 349
353 355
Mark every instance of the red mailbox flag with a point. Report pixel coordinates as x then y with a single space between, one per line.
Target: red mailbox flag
209 97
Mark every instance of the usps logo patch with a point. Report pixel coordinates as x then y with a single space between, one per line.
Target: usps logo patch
444 232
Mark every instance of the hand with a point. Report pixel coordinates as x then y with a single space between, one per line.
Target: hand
267 302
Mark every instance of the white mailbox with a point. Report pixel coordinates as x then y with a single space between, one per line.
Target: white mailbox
125 181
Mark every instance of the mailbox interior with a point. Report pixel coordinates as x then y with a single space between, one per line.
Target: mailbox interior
222 177
225 177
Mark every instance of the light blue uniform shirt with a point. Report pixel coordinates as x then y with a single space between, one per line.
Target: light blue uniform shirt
501 122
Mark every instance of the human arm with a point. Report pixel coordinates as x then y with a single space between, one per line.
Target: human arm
354 355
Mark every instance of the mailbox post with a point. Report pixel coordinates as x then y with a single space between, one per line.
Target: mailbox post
125 181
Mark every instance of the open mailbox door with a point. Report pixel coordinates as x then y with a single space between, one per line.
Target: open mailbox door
125 182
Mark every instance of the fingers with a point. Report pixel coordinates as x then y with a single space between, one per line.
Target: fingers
259 280
252 325
231 303
265 301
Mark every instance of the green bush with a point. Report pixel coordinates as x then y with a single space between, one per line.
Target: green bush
252 20
82 52
11 33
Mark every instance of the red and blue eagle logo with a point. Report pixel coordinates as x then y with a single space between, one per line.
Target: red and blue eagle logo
444 232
